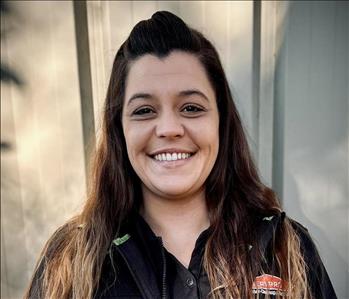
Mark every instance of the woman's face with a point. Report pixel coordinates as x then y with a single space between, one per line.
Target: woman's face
171 123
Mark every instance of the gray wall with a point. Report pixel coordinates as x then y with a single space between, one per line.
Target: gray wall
311 127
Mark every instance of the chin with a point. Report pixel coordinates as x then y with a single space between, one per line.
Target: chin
174 191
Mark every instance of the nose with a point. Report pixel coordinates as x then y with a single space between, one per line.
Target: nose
169 125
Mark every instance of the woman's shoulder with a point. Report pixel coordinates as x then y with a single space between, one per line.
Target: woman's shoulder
318 278
53 246
307 245
306 241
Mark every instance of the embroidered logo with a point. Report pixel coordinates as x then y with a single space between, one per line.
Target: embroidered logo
269 284
268 218
119 241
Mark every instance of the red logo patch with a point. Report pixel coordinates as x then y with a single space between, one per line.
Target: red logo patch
269 284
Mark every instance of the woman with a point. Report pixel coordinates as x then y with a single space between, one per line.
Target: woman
176 208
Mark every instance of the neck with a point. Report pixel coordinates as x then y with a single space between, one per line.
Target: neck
176 216
179 221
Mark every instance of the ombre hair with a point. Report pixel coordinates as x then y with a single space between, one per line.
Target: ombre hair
71 262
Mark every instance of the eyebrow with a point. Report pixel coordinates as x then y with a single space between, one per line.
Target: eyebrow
190 92
139 95
183 93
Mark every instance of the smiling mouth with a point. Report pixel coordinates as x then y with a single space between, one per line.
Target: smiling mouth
172 156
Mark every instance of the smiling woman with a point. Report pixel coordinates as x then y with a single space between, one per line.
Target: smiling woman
176 208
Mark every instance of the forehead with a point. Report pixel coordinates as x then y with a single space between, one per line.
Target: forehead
177 71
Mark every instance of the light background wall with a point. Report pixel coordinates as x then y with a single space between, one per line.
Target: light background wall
42 173
287 65
311 128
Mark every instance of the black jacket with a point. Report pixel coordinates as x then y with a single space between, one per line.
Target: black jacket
135 266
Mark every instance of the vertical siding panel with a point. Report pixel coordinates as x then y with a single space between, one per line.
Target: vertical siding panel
97 12
70 189
120 20
281 64
48 112
216 14
266 89
239 60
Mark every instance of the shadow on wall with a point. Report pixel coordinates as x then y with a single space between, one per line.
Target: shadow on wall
10 25
7 75
42 164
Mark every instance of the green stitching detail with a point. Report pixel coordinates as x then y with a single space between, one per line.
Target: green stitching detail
268 218
119 241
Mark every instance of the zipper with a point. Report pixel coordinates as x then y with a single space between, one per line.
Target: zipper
164 270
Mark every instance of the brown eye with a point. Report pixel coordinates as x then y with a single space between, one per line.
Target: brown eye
192 109
143 111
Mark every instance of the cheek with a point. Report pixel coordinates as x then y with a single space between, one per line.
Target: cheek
212 140
136 136
209 133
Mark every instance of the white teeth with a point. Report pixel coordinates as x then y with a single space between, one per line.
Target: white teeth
171 156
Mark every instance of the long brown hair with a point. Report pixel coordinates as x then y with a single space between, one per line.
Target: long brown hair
71 262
